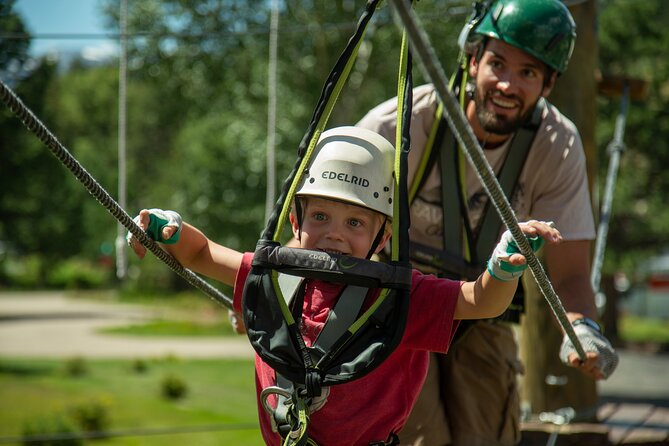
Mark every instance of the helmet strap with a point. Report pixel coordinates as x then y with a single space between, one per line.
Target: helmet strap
299 215
377 239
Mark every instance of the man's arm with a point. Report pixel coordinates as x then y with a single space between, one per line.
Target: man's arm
568 264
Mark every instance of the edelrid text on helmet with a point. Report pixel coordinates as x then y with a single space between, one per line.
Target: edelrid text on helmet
353 165
544 29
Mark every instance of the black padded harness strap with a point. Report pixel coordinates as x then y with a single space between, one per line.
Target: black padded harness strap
332 267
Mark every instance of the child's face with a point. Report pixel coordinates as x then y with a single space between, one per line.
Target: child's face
338 228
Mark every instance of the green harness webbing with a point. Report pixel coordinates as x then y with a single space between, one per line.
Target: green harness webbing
356 338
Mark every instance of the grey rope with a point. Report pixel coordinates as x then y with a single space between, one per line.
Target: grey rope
615 148
467 140
270 194
59 151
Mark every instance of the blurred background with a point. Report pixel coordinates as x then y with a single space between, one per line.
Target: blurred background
191 108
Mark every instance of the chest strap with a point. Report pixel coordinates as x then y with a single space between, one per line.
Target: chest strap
465 247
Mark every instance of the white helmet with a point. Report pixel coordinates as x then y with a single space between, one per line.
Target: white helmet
353 165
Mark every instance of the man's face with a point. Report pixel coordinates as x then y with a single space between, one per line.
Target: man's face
509 82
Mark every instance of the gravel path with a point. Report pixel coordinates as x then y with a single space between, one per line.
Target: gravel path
50 324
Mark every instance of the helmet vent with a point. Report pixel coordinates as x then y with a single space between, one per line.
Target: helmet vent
554 41
497 12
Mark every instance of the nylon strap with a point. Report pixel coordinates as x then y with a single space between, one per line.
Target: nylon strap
478 242
335 335
508 180
333 86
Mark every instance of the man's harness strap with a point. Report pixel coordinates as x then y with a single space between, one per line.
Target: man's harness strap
369 324
466 248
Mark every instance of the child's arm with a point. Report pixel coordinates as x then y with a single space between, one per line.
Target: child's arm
490 295
188 245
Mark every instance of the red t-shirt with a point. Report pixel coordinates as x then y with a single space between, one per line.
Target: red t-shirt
369 408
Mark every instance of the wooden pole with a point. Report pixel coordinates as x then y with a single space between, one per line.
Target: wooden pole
548 384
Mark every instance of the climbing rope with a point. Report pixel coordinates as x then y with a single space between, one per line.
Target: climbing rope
615 149
466 138
59 151
271 108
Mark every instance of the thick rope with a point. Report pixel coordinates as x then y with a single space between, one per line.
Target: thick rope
466 138
615 148
271 109
121 258
59 151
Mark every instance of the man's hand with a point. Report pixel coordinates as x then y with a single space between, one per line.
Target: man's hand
506 262
601 358
161 226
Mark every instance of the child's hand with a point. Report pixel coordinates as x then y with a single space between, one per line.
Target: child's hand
237 322
161 226
507 263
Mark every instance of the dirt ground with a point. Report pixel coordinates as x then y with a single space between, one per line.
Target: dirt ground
50 324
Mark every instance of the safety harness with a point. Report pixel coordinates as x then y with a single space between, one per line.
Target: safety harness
355 338
465 247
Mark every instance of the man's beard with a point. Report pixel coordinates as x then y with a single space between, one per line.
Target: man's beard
498 124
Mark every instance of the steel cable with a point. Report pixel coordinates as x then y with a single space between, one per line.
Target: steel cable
474 153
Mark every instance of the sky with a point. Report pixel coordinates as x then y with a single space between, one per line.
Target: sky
74 20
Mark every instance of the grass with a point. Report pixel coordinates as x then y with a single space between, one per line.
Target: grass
219 406
161 327
636 329
220 399
190 314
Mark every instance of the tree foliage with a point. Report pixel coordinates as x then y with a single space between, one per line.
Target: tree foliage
197 115
13 52
633 37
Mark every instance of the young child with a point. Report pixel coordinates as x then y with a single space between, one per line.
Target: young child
345 202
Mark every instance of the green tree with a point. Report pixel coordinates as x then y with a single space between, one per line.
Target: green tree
633 39
13 49
38 202
84 102
197 98
209 63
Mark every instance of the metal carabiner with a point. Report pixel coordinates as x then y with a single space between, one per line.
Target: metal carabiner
267 391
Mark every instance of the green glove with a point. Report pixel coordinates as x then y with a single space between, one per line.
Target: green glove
498 265
158 219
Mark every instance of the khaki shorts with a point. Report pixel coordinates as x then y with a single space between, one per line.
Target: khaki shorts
470 396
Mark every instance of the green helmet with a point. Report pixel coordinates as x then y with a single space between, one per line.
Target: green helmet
544 29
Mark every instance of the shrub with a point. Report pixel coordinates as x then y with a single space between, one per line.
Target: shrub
50 431
173 387
76 366
139 366
22 272
77 274
91 416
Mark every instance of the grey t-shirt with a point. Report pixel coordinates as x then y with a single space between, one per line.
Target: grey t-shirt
552 185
